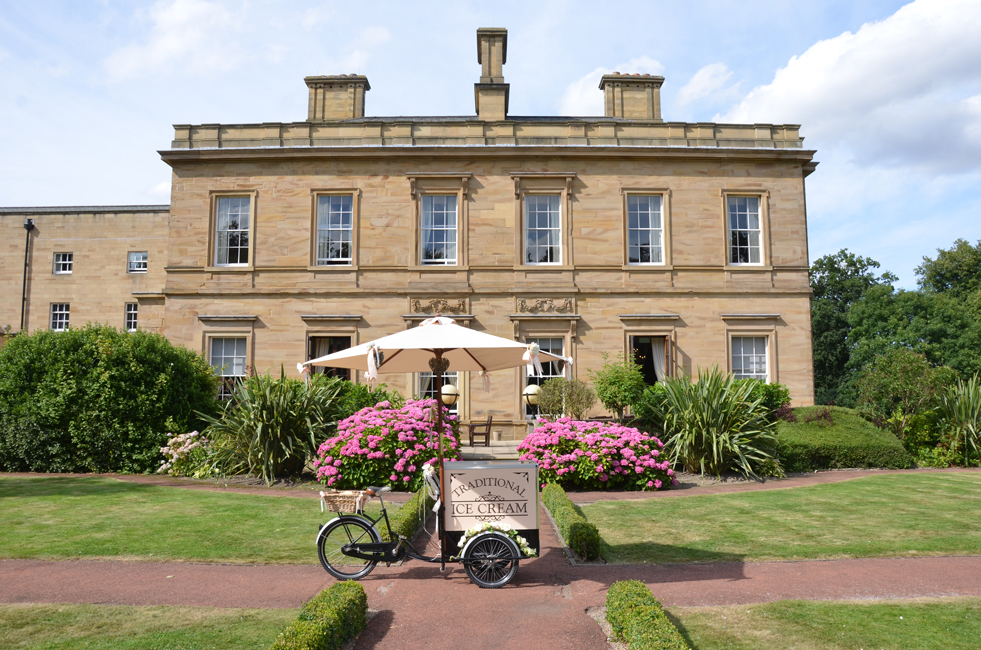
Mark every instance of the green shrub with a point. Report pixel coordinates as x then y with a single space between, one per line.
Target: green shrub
328 620
409 517
565 397
618 383
712 425
771 396
580 535
271 426
97 399
832 437
638 619
354 397
959 416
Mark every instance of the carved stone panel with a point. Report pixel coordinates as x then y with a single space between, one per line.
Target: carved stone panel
441 305
545 306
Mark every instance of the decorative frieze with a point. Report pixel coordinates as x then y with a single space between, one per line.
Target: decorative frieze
544 306
441 305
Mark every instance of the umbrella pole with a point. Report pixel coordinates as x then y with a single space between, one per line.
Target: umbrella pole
439 365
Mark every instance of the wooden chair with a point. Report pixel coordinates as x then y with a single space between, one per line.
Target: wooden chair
481 429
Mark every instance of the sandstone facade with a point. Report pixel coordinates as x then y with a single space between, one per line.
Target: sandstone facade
592 298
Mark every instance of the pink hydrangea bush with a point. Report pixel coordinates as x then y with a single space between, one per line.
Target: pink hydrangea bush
597 456
382 445
186 454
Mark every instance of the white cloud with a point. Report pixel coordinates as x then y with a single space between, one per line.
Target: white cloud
899 92
583 97
161 189
316 16
709 81
196 33
374 35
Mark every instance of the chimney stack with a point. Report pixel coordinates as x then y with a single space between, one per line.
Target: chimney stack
632 96
336 97
491 94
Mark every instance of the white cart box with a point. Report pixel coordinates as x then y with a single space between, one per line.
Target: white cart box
504 492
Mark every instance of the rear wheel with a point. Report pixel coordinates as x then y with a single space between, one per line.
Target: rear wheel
491 560
339 533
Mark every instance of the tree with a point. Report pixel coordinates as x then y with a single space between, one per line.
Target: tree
838 281
618 383
898 386
942 327
956 271
565 397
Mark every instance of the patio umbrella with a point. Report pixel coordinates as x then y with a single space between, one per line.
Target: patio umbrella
436 345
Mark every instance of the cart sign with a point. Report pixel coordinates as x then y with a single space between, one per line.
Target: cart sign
492 491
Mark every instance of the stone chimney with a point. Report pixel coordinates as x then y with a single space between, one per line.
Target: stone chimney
336 97
491 94
633 96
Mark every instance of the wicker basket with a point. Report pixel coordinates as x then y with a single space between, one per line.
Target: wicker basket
343 500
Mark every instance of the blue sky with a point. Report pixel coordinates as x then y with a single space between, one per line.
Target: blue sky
888 93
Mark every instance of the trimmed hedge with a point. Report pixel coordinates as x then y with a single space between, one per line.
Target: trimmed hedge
406 520
328 620
637 618
847 440
96 399
580 535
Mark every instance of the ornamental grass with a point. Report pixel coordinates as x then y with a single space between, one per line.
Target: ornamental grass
382 445
597 456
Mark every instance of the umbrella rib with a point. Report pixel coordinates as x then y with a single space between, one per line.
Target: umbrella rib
386 360
482 368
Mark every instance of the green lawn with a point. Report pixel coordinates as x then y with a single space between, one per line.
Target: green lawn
101 627
893 515
941 623
58 518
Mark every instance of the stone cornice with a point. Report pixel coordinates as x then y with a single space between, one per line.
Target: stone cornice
799 156
472 131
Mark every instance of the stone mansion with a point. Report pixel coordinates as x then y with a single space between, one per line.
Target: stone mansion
684 244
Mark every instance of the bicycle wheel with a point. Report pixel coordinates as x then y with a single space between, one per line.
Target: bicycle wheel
491 560
338 533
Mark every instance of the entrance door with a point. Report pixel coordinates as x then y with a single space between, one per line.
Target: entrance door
321 346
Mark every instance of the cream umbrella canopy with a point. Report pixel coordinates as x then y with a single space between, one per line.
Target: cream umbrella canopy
435 338
437 344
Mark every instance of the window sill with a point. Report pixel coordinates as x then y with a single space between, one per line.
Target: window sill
136 272
332 268
248 268
444 268
647 268
747 267
544 267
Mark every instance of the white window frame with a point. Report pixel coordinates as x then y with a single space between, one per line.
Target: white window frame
131 316
549 368
427 213
329 222
729 198
248 231
136 264
59 316
742 338
555 231
64 263
228 375
654 234
449 377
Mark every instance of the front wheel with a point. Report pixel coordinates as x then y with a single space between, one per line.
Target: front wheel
339 533
491 560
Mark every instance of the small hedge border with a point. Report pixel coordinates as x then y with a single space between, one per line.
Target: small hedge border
406 520
637 618
835 438
328 620
580 535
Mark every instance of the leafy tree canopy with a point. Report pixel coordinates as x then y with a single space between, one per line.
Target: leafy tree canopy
838 281
956 271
